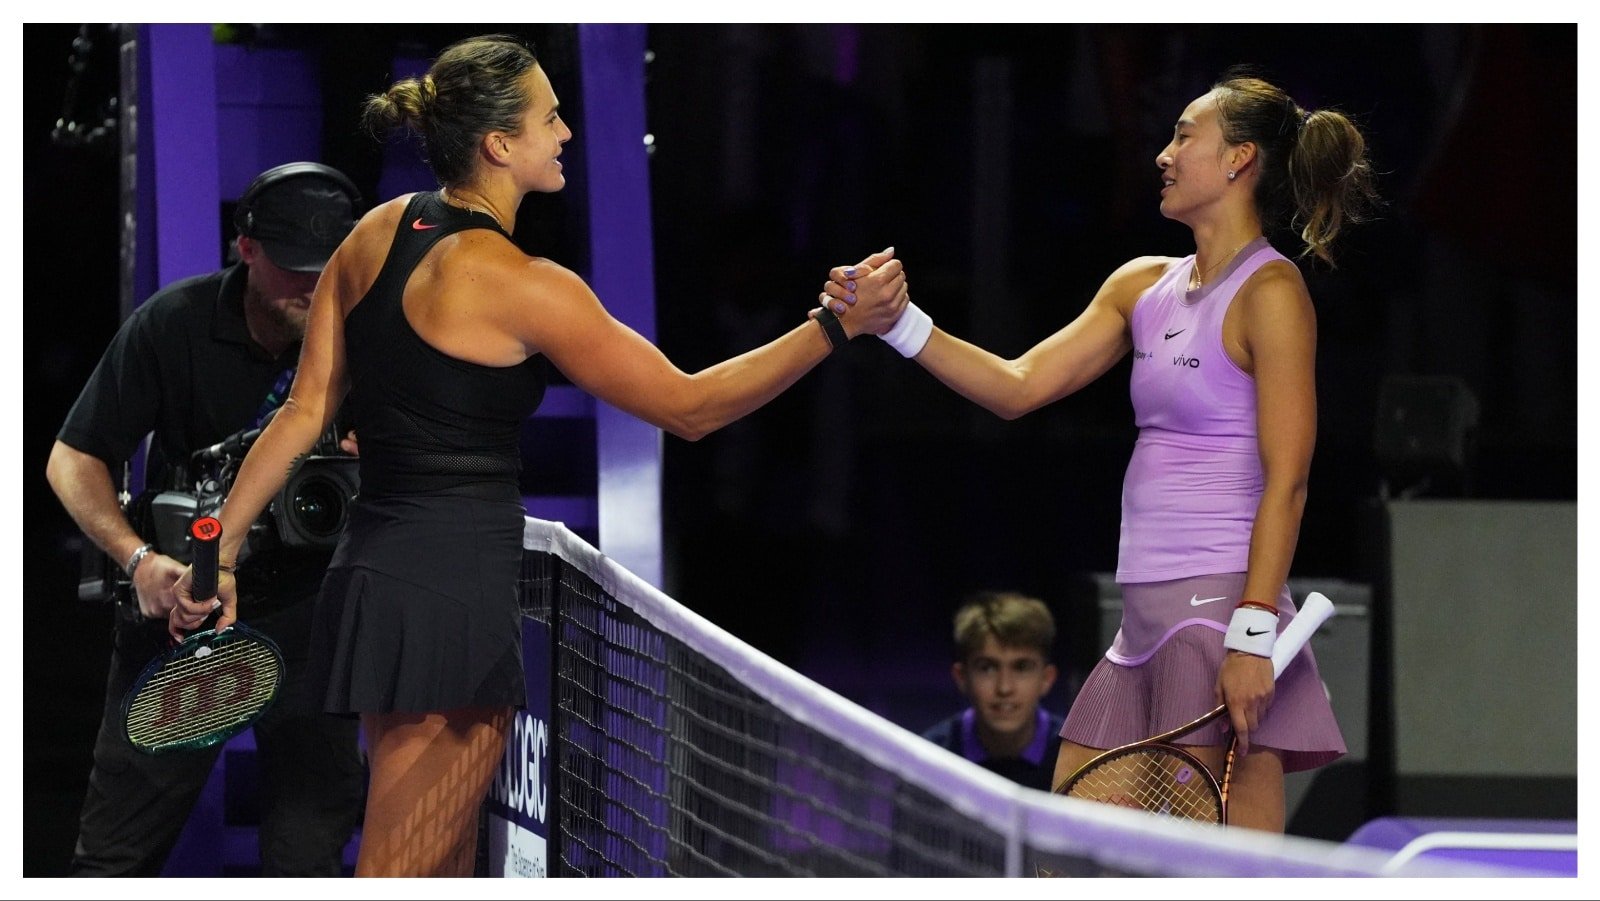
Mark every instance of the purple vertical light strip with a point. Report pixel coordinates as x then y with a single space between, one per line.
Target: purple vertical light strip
177 206
139 198
611 61
846 53
269 112
178 193
181 112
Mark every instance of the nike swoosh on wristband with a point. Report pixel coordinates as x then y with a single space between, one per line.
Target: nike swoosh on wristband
422 228
1253 633
1196 600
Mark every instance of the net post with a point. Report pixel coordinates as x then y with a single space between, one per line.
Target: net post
1014 842
557 722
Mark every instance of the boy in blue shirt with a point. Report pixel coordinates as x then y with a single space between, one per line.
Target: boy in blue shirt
1003 646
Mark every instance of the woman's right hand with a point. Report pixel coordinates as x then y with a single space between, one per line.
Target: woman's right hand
190 612
869 296
1245 684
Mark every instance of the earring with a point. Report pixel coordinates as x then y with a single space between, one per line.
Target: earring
1231 174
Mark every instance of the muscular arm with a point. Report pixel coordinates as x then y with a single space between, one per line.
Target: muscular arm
1057 366
84 485
558 315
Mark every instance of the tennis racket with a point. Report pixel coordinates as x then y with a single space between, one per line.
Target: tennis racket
211 686
1163 778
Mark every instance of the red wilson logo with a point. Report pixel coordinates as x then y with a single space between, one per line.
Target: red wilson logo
196 697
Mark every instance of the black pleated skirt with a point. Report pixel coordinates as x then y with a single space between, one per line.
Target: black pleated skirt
419 610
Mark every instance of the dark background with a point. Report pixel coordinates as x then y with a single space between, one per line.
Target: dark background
1013 168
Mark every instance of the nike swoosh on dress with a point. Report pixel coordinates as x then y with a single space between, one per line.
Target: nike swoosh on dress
1195 600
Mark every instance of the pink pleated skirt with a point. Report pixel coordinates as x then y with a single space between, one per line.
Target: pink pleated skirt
1161 672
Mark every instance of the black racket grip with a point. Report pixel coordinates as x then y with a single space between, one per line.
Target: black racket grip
205 535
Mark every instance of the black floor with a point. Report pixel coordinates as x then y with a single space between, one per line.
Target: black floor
62 696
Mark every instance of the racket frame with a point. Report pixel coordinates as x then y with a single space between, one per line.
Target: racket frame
187 648
205 534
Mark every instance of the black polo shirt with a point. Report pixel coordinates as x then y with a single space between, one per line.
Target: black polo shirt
183 366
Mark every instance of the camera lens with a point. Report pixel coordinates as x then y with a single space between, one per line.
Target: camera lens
319 507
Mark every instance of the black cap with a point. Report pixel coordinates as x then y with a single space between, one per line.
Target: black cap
299 212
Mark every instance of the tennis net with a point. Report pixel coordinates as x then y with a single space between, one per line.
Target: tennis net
674 748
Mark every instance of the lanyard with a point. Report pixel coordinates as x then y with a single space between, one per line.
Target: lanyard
278 394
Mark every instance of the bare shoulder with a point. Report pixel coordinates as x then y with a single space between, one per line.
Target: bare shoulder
1145 269
1130 280
355 265
381 220
1280 275
373 234
1274 308
505 268
539 301
1277 288
523 295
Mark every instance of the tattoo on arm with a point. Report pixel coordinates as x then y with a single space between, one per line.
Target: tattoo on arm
295 463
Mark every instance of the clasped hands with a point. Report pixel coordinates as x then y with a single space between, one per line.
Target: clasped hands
868 297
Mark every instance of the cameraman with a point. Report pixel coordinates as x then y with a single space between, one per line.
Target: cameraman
204 358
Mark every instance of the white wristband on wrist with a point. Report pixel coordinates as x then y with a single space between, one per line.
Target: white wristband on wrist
910 332
1252 631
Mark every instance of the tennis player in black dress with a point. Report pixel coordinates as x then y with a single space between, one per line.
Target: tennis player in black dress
430 318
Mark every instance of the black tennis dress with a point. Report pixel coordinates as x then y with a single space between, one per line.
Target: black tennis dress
419 608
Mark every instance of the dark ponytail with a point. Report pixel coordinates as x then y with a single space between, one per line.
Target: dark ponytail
1315 175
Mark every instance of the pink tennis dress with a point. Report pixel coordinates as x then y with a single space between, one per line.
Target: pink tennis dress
1189 502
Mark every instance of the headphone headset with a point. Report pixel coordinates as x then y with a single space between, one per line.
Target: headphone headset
244 213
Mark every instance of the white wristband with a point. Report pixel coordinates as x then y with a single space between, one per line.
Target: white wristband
1252 631
910 332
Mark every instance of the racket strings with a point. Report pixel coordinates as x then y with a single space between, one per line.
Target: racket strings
1154 780
195 696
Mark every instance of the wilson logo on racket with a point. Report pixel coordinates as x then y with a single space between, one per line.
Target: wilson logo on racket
205 691
204 694
213 685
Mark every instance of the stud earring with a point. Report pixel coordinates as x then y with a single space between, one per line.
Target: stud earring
1231 174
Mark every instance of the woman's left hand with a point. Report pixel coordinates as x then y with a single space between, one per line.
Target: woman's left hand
189 613
1245 684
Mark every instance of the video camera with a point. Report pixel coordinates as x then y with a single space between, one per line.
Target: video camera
303 520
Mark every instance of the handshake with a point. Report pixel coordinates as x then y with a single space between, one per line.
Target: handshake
873 297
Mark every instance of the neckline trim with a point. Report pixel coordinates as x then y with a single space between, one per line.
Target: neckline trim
1190 298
